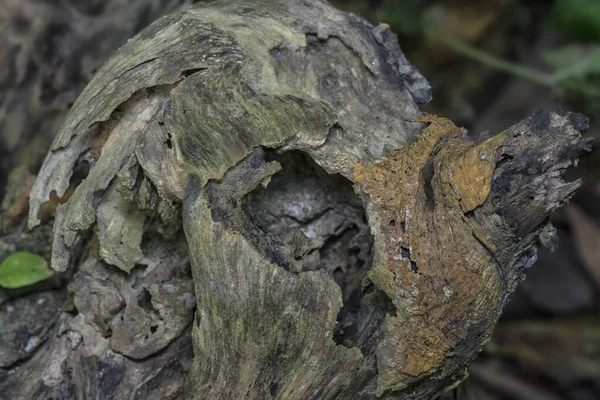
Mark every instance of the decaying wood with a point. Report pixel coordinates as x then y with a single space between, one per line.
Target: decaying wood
446 193
342 245
50 51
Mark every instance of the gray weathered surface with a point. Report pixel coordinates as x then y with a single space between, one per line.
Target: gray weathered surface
188 130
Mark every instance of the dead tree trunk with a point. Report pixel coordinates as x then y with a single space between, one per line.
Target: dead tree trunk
254 179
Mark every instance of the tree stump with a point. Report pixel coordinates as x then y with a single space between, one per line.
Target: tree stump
341 245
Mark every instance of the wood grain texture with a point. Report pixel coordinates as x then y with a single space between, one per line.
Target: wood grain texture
192 119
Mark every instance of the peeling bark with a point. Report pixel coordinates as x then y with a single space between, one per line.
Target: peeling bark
341 245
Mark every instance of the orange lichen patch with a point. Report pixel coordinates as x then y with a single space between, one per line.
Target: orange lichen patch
99 140
471 175
391 172
430 262
48 208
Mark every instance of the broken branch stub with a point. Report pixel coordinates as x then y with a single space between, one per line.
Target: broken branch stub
337 253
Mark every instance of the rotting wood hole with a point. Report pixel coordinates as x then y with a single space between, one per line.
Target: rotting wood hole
304 220
323 221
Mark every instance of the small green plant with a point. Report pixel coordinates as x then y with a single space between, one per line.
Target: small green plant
22 269
581 17
574 68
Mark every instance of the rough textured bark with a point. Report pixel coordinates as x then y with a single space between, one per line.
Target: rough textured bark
50 51
342 246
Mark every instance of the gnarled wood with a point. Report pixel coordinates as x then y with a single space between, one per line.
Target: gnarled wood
342 246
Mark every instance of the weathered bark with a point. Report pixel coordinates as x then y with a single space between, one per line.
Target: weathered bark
337 252
49 51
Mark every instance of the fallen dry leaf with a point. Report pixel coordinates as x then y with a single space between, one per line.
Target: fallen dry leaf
587 239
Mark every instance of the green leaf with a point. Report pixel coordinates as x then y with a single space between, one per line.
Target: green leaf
581 17
23 269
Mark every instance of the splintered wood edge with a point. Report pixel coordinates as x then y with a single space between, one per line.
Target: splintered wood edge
434 257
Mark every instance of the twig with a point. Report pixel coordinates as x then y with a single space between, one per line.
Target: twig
509 385
491 61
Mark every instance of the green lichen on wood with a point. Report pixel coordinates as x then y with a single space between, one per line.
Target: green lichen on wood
229 118
281 322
